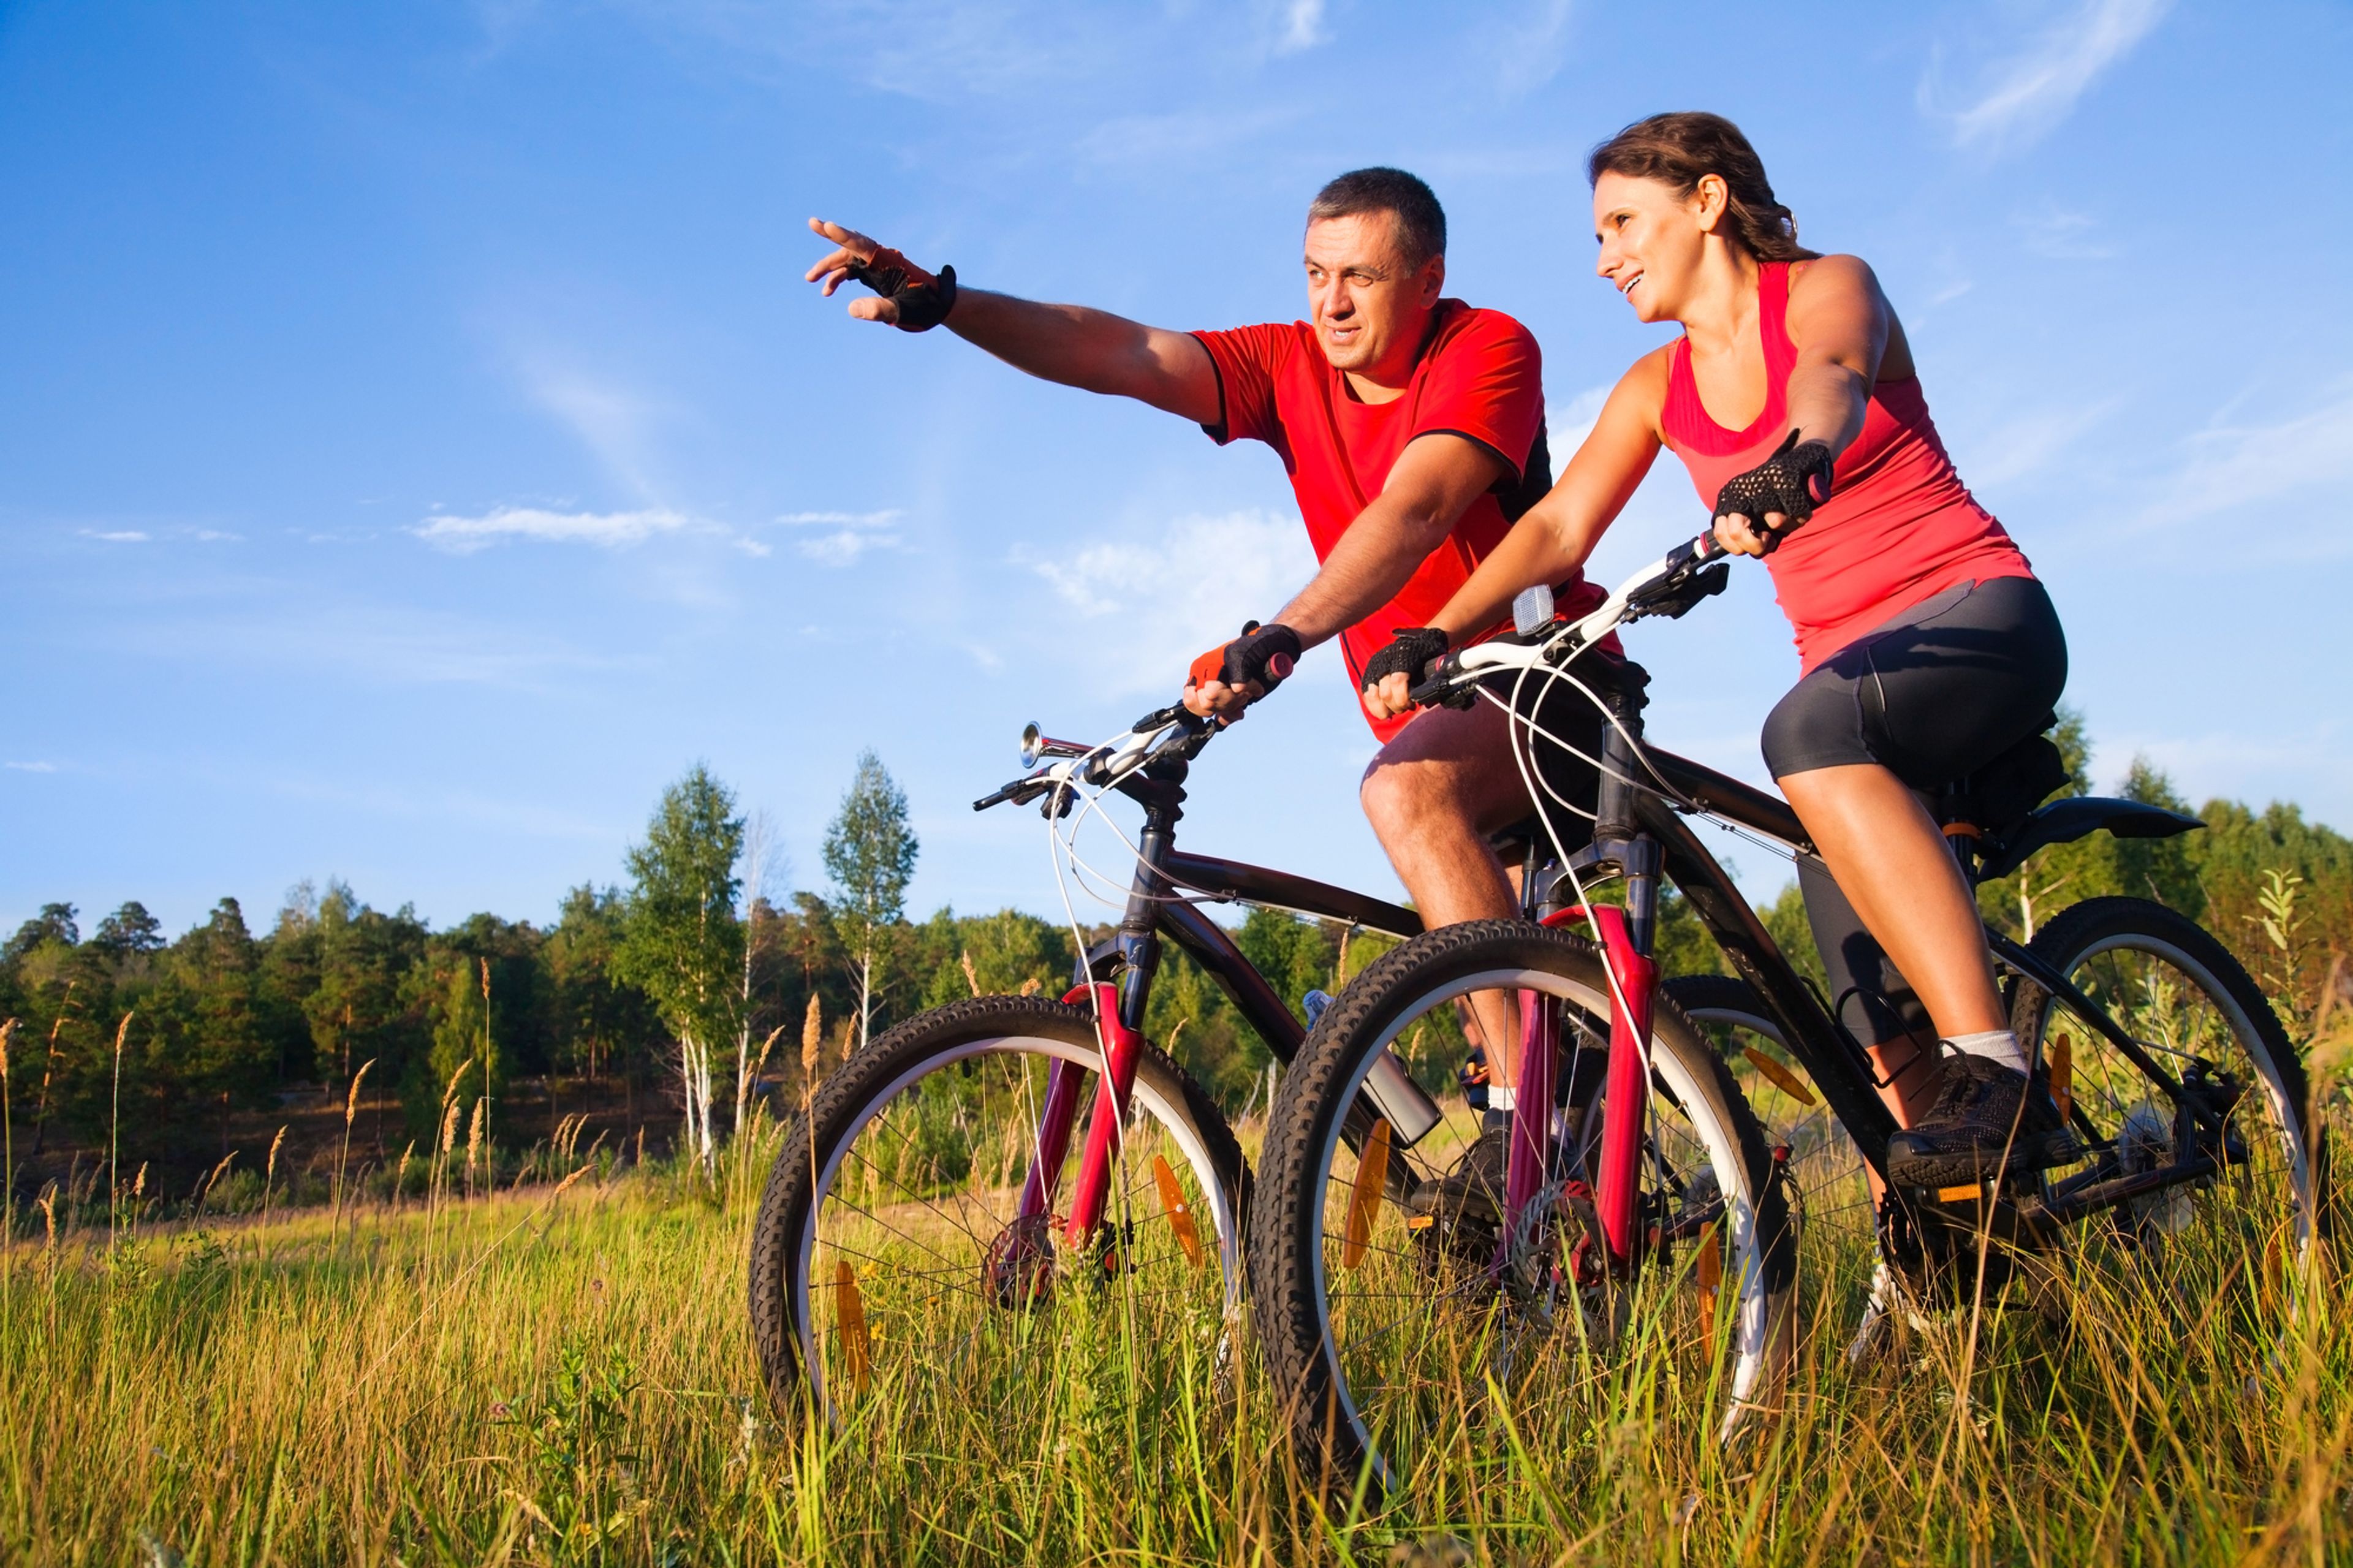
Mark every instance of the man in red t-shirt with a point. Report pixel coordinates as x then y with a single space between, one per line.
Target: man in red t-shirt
1412 428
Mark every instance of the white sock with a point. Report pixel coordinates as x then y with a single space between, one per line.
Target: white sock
1501 1098
1999 1046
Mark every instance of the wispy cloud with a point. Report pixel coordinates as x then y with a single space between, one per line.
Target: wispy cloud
1302 26
1173 593
2061 234
30 768
1531 48
2033 441
605 530
118 535
2229 466
613 422
2032 90
851 534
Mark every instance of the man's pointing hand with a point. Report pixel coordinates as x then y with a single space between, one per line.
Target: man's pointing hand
906 296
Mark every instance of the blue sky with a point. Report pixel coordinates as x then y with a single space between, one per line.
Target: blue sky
416 447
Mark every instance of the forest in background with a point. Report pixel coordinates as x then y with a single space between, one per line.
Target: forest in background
671 1003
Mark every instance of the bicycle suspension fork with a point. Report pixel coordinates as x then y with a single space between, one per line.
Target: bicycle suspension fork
1119 1033
1628 936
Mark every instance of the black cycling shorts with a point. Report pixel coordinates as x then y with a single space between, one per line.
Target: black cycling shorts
1565 746
1933 695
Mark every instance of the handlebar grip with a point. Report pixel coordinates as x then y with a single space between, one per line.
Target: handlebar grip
1280 665
1000 797
1435 682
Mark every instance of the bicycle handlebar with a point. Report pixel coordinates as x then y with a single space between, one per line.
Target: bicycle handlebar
1164 732
1669 586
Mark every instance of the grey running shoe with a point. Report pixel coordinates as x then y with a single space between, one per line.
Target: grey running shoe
1987 1122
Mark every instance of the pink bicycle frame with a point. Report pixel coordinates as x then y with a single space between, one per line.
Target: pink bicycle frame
1619 1177
1065 1081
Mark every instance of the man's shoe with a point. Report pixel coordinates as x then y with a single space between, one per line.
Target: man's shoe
1987 1122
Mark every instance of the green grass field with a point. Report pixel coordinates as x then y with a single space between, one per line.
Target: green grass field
565 1378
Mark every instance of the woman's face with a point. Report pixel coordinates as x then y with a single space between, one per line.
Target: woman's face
1652 240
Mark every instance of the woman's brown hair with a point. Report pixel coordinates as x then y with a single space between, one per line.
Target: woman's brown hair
1678 149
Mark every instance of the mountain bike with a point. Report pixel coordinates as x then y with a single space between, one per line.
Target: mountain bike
986 1165
1643 1238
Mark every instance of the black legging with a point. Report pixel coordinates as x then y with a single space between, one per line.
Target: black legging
1932 696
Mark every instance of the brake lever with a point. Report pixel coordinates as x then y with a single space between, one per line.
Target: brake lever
1438 687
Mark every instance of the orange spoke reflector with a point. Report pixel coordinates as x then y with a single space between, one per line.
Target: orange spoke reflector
1967 1192
1365 1202
1711 1275
1180 1218
1421 1222
2062 1075
849 1319
1784 1080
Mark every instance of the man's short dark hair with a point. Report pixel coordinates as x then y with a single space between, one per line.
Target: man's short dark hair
1420 221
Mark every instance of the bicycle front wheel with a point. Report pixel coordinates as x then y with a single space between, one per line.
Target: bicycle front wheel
889 1256
1386 1321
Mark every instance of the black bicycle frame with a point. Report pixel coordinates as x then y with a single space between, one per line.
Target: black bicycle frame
1159 907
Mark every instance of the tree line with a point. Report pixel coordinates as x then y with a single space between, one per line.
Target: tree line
694 991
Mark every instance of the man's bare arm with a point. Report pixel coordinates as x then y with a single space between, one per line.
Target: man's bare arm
1072 344
1432 483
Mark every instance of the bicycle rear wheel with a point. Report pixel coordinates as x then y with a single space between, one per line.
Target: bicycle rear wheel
886 1252
2237 1238
1383 1326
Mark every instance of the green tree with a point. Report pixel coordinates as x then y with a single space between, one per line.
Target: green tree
599 1023
683 943
869 853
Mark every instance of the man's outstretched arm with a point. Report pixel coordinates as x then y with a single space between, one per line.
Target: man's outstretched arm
1073 345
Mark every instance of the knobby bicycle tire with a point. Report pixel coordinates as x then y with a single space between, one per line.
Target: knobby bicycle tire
1332 1435
863 1090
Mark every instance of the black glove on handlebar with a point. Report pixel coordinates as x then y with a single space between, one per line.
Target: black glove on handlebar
1410 653
1784 483
923 299
1264 654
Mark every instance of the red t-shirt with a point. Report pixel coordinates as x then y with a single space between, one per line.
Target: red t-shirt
1481 378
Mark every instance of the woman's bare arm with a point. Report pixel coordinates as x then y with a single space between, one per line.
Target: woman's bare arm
1559 531
1838 324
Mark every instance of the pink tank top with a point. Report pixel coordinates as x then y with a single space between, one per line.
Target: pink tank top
1899 528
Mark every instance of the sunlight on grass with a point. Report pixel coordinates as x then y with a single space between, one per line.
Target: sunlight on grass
567 1378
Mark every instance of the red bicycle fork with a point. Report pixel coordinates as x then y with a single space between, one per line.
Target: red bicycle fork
1066 1081
1626 1091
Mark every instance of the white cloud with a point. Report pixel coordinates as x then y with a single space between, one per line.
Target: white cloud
2231 467
2062 235
2028 443
1533 48
609 529
30 768
614 422
1302 27
1148 604
2034 90
117 535
1573 424
851 534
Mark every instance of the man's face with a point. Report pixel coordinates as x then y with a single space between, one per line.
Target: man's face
1367 306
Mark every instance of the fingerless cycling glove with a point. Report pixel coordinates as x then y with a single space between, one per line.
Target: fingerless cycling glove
1784 483
1408 654
1264 654
923 299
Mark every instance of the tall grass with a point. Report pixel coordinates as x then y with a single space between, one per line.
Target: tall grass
564 1376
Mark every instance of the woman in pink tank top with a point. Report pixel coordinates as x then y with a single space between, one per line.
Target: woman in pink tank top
1926 647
